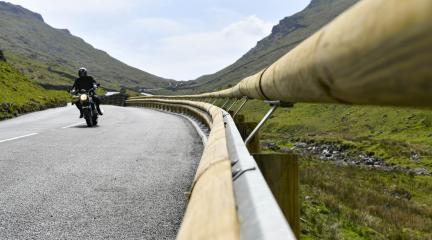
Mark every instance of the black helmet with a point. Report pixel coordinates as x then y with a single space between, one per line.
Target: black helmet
82 72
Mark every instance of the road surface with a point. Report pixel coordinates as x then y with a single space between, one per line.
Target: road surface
125 179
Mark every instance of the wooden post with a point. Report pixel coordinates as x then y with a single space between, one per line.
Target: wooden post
281 172
245 129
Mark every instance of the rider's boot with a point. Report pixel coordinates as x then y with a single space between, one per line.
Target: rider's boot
81 114
99 110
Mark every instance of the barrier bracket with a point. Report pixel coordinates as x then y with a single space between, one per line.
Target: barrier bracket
239 172
229 108
274 105
240 107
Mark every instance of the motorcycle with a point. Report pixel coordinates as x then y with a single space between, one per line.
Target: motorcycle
85 97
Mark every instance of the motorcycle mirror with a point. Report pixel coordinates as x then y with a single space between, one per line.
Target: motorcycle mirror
98 84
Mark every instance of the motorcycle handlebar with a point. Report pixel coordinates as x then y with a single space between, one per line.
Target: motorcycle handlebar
75 92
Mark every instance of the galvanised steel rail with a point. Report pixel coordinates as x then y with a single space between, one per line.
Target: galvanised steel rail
378 52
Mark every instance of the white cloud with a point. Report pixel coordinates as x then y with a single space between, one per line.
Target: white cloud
251 26
180 55
156 25
191 55
169 38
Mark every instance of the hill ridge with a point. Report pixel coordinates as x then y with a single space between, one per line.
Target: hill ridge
49 56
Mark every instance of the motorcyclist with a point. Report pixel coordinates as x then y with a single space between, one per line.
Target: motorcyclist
85 82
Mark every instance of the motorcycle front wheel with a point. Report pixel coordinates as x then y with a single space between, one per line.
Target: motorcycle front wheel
88 118
95 120
89 122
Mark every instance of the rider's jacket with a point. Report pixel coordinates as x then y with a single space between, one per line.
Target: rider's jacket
85 83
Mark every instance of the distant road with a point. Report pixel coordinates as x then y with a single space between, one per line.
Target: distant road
124 179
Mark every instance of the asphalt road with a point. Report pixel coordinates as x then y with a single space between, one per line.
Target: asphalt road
125 179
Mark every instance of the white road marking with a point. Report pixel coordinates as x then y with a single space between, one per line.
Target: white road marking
73 125
15 138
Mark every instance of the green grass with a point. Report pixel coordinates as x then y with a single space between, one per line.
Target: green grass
342 202
19 95
391 133
40 72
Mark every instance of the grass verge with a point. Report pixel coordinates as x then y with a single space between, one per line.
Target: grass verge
345 202
19 95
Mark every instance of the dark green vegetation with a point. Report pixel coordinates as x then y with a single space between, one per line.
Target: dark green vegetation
19 95
285 36
52 56
345 202
393 134
352 202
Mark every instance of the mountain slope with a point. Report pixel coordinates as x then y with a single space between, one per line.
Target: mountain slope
51 56
285 36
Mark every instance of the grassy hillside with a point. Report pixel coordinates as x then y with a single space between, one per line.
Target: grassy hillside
398 136
19 95
52 56
285 36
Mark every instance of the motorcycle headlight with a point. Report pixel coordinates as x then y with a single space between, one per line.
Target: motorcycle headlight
83 97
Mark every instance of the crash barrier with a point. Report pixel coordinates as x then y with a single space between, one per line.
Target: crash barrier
225 202
378 52
211 209
115 99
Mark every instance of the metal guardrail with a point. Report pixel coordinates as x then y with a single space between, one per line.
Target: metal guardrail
260 214
115 99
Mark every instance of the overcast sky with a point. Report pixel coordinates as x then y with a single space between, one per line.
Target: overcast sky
170 38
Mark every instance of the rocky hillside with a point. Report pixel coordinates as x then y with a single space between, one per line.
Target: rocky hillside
51 56
285 36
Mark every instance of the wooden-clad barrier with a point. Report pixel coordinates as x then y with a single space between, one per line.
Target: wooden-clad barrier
201 113
211 212
116 99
